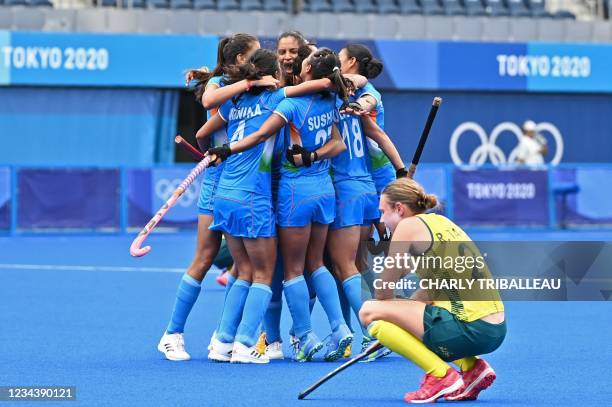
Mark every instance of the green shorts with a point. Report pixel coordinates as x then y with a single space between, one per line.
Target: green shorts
452 339
224 258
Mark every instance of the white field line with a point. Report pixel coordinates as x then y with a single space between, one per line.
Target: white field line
93 268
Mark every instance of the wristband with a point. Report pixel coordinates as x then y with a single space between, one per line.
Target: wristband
401 173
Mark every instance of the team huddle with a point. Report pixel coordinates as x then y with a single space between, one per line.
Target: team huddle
302 173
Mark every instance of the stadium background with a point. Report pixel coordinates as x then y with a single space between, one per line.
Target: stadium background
91 97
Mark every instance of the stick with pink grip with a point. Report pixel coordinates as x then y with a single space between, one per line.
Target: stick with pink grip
135 249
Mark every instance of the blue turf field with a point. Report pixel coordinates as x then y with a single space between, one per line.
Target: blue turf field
79 311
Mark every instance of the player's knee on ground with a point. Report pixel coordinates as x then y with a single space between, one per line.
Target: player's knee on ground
367 313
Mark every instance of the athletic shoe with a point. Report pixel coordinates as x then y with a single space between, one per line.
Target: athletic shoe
274 351
245 354
222 279
219 351
261 343
348 352
212 339
432 387
366 341
173 347
338 342
304 349
475 380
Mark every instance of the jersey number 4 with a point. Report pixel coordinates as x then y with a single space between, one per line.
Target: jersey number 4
238 133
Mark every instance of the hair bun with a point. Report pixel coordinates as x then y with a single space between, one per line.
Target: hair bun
429 201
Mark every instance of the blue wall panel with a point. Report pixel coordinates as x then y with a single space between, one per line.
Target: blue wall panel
49 126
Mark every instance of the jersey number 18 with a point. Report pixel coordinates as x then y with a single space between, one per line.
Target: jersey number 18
355 148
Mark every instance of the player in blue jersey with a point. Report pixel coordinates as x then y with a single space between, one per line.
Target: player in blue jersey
208 90
243 210
357 58
356 203
292 50
306 201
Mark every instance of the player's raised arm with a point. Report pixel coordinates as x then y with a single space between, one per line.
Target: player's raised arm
216 96
373 131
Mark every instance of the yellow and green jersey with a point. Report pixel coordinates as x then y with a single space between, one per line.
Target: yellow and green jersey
450 243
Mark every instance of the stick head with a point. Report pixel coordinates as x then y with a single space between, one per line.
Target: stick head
139 252
135 249
178 139
437 101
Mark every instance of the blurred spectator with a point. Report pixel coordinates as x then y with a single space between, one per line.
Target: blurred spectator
533 146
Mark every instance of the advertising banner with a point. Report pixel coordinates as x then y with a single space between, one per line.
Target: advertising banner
68 198
29 58
509 198
149 189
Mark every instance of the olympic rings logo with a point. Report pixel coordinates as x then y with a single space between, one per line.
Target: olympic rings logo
165 187
488 148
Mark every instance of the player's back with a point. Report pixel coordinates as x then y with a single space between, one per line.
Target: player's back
352 163
249 170
454 256
310 120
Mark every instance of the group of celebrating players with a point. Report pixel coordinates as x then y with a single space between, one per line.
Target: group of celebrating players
303 172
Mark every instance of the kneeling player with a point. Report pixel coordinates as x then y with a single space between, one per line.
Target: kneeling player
449 328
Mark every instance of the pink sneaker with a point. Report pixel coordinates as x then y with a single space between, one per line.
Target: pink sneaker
475 380
432 388
222 279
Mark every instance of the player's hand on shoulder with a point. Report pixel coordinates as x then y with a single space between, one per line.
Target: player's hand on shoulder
266 81
353 108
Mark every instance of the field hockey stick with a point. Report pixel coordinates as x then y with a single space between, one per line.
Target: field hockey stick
437 101
135 249
371 349
189 148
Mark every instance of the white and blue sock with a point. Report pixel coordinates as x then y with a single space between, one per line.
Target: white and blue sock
352 289
345 306
327 292
296 294
186 295
254 309
272 318
233 310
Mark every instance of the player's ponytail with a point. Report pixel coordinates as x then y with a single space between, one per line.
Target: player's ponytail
410 193
227 53
325 63
263 62
369 66
343 85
